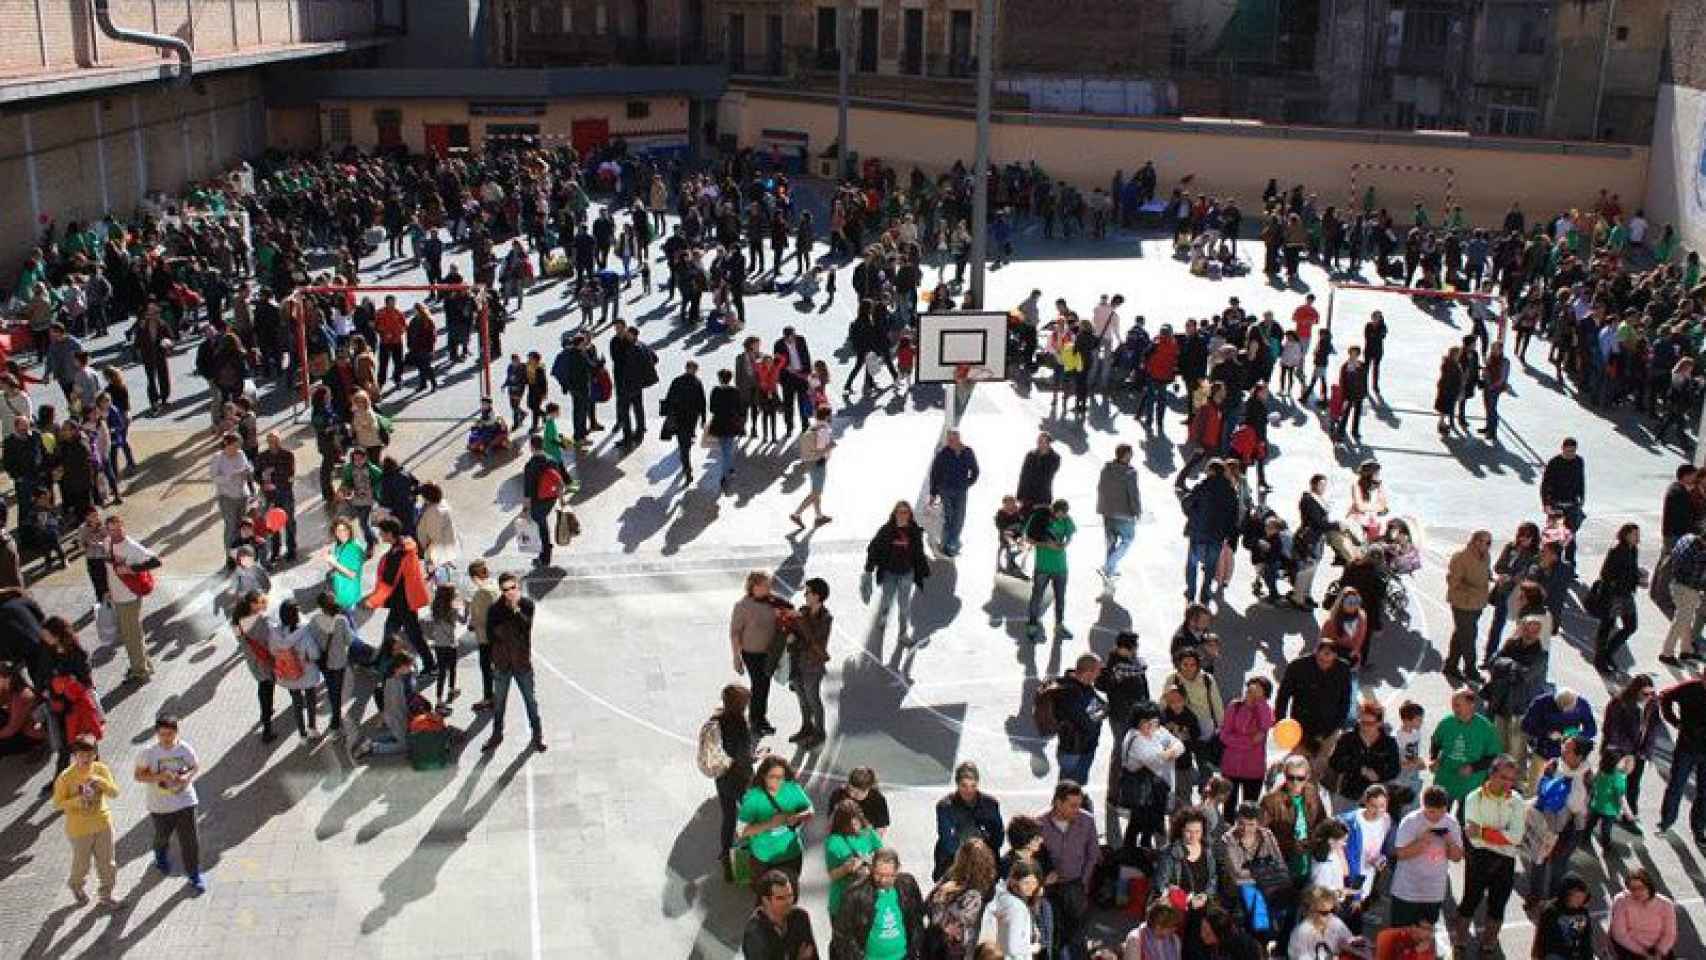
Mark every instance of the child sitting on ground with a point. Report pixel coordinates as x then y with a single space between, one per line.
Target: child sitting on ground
488 434
1010 524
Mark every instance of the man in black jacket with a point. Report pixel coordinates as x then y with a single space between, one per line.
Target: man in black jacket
1211 522
778 929
1680 514
1080 712
796 357
1316 529
633 368
684 410
964 814
509 626
1036 474
27 462
862 920
1353 385
1684 707
1315 690
573 370
1564 488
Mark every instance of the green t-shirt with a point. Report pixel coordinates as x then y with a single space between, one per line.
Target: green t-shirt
347 590
887 939
780 843
837 850
1462 743
1608 791
1051 557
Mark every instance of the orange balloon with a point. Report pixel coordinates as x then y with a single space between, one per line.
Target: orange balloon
1287 734
275 519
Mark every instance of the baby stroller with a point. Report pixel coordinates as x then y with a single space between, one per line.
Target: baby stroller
1377 570
1268 538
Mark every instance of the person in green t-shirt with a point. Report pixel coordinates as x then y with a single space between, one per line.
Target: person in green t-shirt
1050 534
1463 747
1610 788
848 848
771 814
881 916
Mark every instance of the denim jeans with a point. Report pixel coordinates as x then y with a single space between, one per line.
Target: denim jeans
1120 531
500 688
1040 582
1076 767
726 457
809 690
897 591
1204 554
1684 765
1152 406
540 511
953 518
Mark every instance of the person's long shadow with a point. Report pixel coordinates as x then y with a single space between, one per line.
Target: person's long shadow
1021 727
20 837
406 790
938 604
416 876
1158 454
698 510
694 881
642 519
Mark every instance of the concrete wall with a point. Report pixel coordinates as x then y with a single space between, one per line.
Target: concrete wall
1676 191
1581 38
1225 159
667 116
51 36
76 159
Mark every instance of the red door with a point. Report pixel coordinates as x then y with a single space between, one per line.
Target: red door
438 139
588 135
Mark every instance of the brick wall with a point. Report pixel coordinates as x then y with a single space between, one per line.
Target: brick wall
1688 44
88 155
1084 37
65 37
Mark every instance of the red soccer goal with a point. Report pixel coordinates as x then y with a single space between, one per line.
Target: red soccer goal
1487 300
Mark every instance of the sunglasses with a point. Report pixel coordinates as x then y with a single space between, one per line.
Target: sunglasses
1294 778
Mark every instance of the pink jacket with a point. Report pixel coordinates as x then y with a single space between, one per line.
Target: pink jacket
1245 737
1637 926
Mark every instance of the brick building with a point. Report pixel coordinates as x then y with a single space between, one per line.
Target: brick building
91 124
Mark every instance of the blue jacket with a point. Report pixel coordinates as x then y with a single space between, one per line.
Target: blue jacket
1543 718
1352 819
952 472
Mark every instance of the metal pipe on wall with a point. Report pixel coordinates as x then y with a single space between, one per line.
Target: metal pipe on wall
980 167
186 57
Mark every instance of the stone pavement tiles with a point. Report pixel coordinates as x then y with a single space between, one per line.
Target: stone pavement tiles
606 844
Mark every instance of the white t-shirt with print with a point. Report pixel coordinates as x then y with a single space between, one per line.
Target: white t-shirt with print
175 759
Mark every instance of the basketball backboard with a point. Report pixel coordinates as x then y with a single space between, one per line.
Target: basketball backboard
975 341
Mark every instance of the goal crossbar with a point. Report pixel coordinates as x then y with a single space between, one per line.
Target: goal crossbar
1466 296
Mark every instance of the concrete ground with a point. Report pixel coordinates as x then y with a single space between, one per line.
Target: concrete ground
606 845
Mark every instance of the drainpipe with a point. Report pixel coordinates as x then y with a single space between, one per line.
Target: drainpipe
1604 60
104 18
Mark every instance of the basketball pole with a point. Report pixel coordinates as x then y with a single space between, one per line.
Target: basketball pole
980 168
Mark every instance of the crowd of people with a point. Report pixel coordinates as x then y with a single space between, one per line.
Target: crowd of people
1340 838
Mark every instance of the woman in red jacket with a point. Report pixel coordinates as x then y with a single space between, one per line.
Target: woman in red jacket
1205 429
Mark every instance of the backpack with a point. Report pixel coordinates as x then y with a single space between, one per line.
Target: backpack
1501 684
262 653
549 485
1552 794
1044 707
713 761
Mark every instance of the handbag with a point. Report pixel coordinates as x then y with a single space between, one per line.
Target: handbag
1274 881
741 864
1598 604
568 527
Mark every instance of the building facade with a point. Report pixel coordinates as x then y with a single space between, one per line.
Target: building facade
90 124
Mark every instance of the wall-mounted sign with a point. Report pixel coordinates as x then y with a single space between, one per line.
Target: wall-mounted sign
490 109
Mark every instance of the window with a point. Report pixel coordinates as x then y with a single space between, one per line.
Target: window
827 56
600 19
1404 115
736 45
386 117
1622 34
1425 28
1513 111
337 125
639 109
536 19
567 17
1178 50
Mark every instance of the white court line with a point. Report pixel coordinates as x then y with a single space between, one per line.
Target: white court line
533 869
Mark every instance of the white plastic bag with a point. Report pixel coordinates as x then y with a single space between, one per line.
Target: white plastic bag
527 535
106 624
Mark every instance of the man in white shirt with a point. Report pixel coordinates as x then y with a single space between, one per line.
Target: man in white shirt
168 766
1106 323
231 472
1638 228
129 561
1493 817
1427 843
